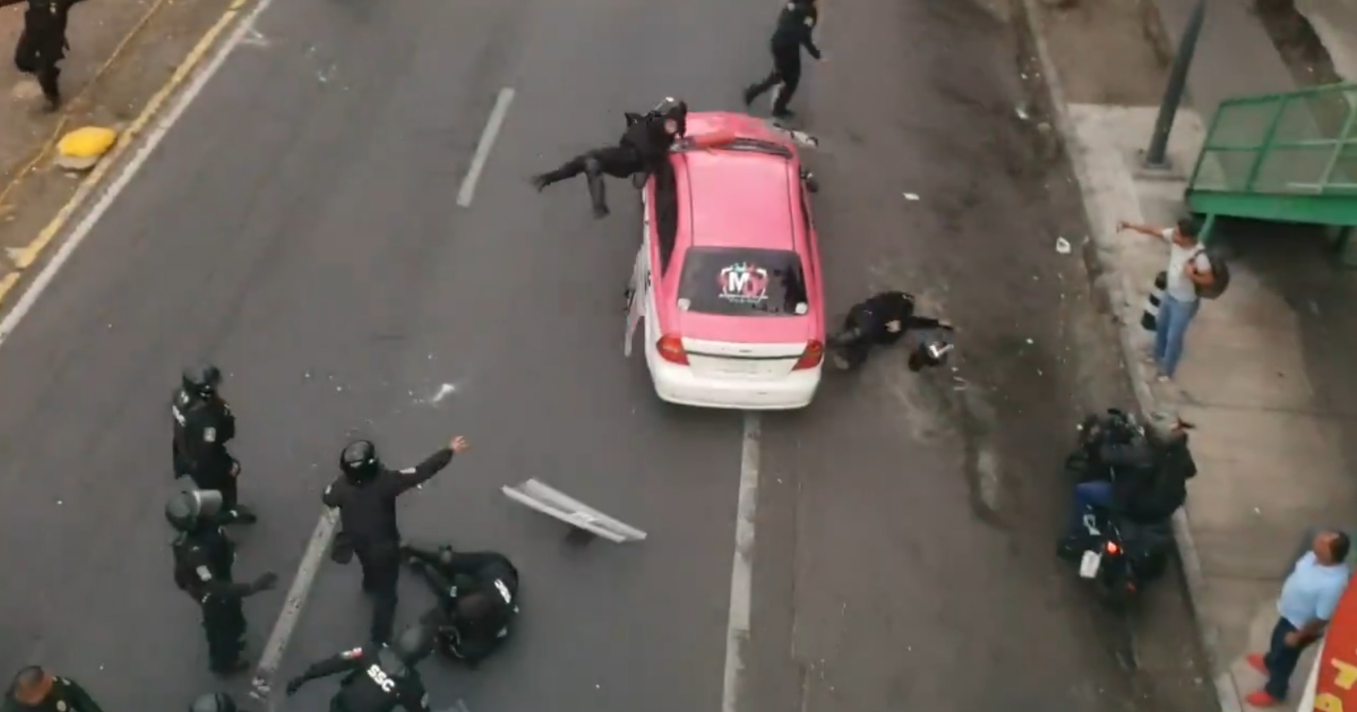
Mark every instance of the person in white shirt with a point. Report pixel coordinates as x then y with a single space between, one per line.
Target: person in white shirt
1189 269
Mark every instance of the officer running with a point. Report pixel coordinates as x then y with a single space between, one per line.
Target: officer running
203 424
380 677
882 320
217 702
42 44
366 498
795 29
643 148
477 599
203 556
34 688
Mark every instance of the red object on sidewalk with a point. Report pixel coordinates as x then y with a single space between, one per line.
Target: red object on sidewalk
1256 662
1334 686
1261 698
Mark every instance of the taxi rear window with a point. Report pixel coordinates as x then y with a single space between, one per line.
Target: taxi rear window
742 282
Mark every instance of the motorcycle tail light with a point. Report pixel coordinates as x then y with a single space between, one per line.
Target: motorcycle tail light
1113 549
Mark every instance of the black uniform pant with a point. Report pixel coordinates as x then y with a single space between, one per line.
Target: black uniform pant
37 52
381 575
786 75
224 623
617 161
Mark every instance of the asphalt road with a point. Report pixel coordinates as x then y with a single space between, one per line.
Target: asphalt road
298 227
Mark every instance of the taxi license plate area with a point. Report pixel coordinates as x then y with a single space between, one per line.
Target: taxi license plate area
1088 567
757 367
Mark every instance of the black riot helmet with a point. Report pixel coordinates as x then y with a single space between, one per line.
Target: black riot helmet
932 351
675 110
414 644
202 380
359 462
187 510
217 702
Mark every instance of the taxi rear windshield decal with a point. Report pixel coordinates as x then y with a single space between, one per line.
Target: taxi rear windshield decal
742 282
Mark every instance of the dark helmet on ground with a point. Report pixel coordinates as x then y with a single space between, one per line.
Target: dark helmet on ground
216 702
931 352
202 379
186 510
359 461
414 643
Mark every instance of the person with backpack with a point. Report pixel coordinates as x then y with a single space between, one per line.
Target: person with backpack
1193 273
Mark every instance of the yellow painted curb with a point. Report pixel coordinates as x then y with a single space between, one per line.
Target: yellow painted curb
30 253
61 123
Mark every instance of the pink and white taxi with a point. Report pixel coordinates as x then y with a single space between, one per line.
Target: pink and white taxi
727 281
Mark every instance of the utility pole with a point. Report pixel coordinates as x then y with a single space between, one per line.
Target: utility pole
1156 155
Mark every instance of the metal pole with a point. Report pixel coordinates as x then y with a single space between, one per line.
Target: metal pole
1173 94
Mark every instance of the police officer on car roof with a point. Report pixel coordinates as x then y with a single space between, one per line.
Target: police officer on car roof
380 677
42 44
795 29
203 424
217 702
203 556
643 148
477 599
366 498
34 688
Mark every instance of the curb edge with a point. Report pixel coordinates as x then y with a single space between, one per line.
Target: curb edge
1227 695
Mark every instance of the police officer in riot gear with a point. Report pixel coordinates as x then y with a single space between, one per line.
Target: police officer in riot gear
217 702
477 599
203 556
203 424
34 688
643 148
42 44
795 29
380 677
366 498
882 320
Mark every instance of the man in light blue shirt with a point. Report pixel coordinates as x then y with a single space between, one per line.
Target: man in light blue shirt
1309 597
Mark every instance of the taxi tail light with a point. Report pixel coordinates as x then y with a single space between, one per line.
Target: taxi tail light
812 356
671 349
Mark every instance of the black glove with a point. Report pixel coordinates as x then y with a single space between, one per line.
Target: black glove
295 684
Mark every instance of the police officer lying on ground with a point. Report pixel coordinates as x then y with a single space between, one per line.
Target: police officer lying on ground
379 677
882 320
203 556
643 148
37 689
477 599
218 702
795 27
42 44
203 424
1148 481
366 498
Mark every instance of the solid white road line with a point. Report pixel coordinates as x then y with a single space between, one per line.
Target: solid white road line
741 572
152 139
478 159
292 606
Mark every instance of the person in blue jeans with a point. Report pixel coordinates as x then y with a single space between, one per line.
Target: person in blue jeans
1309 598
1188 269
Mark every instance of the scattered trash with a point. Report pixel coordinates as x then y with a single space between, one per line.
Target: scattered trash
1021 110
911 196
1029 341
1062 245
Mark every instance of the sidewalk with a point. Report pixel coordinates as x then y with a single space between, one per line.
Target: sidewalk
122 52
1263 377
